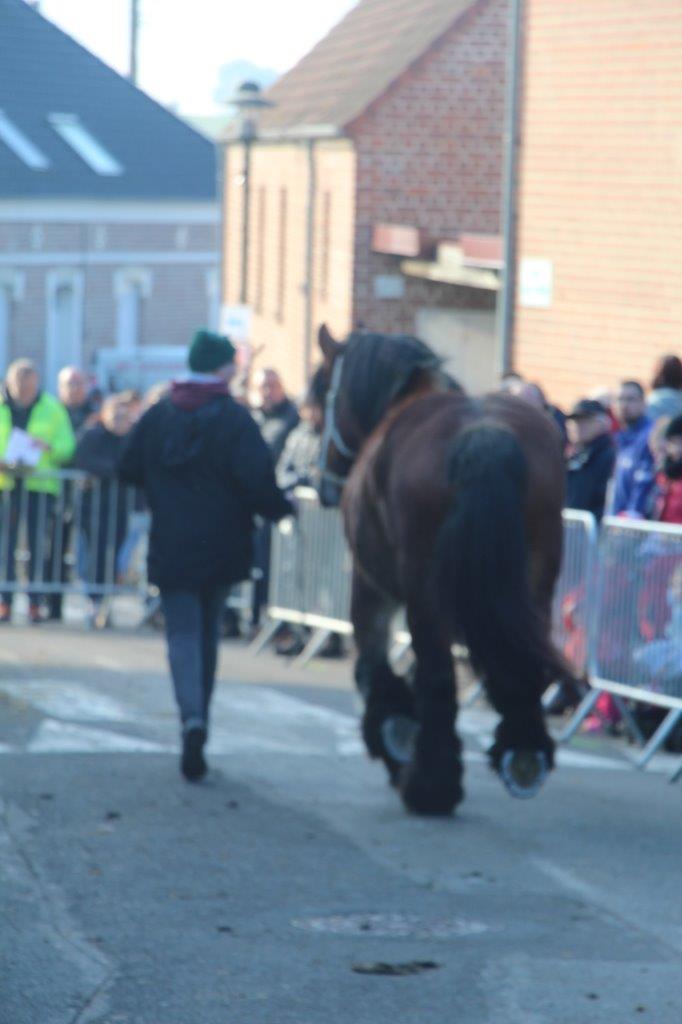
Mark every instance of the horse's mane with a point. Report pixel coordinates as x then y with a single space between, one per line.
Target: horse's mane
380 368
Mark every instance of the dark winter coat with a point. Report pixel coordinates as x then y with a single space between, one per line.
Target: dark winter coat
106 503
588 472
206 473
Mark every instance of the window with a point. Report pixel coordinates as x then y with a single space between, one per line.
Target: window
64 322
21 146
324 245
282 256
131 287
260 251
85 145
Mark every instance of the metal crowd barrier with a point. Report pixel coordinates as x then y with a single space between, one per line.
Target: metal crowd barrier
310 576
635 644
617 613
310 579
67 532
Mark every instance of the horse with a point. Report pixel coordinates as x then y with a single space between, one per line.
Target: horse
452 510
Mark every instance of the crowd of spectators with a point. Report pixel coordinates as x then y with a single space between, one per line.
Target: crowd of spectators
81 429
624 459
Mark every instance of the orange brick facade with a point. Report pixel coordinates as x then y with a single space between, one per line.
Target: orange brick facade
427 153
278 247
600 190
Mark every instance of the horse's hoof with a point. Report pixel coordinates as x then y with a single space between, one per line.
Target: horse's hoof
523 772
399 735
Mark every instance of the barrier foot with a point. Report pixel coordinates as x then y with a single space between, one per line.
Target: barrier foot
677 775
264 636
659 737
629 719
586 706
315 644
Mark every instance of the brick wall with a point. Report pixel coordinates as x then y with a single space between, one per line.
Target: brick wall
179 298
430 154
600 193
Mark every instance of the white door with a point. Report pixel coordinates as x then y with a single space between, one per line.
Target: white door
465 338
128 316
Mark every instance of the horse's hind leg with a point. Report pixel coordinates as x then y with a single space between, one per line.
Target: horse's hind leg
387 697
432 782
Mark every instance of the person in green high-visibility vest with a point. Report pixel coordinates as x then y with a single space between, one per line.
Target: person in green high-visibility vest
29 492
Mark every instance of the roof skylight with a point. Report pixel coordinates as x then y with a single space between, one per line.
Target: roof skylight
21 146
84 144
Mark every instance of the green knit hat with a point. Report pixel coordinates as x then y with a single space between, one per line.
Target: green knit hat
208 352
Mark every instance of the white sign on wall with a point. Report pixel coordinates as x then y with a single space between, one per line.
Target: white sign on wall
536 283
235 321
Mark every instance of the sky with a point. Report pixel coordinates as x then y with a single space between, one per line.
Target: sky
183 44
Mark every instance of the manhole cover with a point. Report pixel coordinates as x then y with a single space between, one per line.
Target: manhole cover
391 926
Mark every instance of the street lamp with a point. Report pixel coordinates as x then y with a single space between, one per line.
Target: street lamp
249 103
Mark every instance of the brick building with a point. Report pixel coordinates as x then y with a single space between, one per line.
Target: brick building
600 197
382 149
108 214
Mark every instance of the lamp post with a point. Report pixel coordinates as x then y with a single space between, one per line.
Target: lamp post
249 103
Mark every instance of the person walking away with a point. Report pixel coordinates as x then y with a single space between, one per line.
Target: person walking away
206 472
106 504
665 397
591 457
37 426
634 471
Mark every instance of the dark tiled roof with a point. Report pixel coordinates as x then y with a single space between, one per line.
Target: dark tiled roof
44 71
353 65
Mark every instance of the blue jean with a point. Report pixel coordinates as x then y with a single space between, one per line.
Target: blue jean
192 631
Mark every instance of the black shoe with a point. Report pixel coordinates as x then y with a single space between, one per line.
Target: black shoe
193 765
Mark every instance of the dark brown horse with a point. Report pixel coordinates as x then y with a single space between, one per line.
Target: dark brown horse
452 509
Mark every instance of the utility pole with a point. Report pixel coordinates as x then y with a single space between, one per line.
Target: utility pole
134 34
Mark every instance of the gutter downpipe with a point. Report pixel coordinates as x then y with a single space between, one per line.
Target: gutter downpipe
246 141
506 307
309 260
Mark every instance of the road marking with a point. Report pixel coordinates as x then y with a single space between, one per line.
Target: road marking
250 718
68 701
61 738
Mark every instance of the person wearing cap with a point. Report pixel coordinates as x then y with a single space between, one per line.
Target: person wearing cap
206 472
589 466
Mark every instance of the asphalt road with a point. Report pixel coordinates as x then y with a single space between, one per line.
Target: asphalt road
275 890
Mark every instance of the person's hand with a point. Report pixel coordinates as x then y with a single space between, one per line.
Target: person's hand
42 445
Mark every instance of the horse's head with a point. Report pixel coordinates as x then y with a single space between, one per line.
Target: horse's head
340 444
363 378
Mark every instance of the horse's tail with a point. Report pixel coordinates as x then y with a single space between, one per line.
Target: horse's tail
482 557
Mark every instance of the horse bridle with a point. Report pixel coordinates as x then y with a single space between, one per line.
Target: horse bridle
331 433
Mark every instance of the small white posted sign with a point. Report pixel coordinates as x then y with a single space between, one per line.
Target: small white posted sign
536 283
235 321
